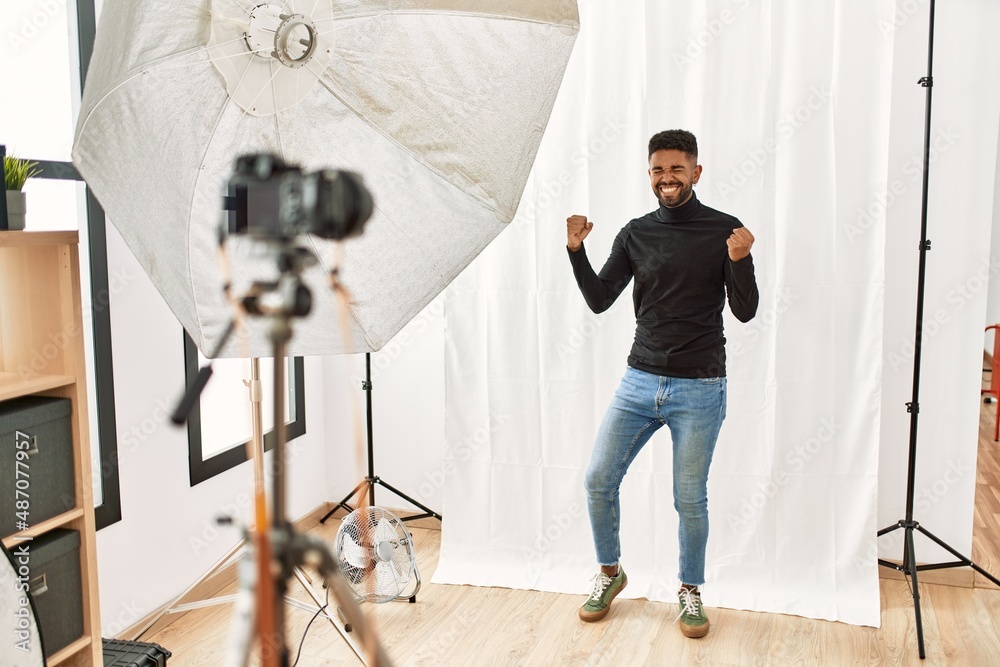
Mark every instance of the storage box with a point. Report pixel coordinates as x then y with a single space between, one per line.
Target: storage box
36 461
54 582
134 654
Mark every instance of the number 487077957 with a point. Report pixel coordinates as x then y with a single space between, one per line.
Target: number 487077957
22 479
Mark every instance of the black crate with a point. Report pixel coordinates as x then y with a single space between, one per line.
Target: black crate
55 585
134 654
36 459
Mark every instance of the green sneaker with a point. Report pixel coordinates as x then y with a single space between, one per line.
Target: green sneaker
605 590
694 622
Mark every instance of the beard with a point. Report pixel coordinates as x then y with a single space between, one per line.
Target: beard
680 196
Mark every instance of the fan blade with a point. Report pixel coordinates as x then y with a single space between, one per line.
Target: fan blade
353 553
389 583
386 531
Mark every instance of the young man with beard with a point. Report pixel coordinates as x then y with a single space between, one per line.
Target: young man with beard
686 258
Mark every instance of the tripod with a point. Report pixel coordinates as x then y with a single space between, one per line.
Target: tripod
280 552
244 547
909 565
372 479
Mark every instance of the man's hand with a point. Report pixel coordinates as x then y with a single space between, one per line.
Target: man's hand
577 229
739 243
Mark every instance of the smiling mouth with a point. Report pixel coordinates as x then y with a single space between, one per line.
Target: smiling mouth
669 190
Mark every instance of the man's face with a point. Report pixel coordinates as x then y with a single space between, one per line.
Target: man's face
672 174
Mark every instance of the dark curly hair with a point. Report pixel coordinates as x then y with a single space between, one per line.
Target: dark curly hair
677 140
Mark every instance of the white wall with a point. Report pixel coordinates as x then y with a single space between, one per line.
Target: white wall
167 537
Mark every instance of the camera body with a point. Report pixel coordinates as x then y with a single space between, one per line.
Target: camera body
270 200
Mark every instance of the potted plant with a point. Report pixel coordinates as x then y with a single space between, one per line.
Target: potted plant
17 172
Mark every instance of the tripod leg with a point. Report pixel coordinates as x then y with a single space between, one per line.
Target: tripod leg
307 548
219 564
343 503
243 621
427 510
343 620
910 563
889 529
959 556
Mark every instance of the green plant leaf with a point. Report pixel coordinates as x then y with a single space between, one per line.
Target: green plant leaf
18 171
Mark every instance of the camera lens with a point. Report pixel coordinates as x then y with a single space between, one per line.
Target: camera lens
343 204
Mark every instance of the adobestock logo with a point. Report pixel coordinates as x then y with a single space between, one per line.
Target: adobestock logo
763 322
559 524
550 190
933 323
904 11
698 43
579 335
744 520
56 342
912 170
786 126
33 24
461 452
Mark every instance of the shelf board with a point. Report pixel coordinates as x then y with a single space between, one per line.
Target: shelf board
42 527
12 385
19 238
67 652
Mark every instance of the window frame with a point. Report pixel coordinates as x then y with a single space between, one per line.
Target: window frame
201 469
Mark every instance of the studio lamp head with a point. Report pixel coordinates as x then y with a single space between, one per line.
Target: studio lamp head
445 139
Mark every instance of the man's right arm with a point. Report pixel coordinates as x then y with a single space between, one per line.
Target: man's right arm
599 290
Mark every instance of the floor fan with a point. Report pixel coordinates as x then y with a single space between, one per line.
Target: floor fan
374 551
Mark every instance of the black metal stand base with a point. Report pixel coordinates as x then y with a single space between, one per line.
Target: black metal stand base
910 568
369 482
369 485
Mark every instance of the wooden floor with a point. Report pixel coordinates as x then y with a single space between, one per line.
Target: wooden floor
463 625
986 529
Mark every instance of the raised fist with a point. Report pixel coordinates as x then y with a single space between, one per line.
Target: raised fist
577 229
739 243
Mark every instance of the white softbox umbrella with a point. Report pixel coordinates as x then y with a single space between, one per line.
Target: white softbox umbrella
439 104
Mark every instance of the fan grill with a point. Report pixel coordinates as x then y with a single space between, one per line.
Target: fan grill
375 554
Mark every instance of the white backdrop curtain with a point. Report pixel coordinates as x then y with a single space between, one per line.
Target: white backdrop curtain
790 103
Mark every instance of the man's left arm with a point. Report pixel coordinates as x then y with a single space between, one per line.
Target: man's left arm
741 284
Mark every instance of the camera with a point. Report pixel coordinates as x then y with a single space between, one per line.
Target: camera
271 200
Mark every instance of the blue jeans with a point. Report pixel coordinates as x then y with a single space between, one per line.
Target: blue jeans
693 409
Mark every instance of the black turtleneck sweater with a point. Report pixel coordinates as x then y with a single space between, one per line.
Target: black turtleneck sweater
680 262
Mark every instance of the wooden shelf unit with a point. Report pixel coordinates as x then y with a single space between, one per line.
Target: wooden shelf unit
42 353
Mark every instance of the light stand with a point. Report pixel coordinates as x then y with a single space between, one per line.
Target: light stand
372 479
909 565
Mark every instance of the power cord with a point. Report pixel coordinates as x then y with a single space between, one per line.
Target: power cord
319 611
